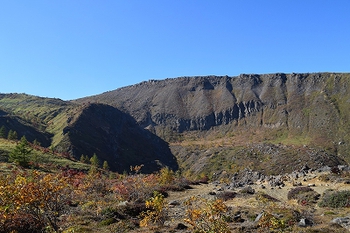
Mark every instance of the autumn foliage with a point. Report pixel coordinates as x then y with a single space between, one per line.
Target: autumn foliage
30 201
207 216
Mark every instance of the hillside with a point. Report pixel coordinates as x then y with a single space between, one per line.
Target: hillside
292 109
303 103
211 124
76 130
116 138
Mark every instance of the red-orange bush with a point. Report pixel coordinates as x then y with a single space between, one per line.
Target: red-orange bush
137 187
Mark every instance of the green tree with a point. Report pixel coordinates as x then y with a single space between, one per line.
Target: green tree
36 143
9 134
105 165
84 159
94 164
12 135
95 161
20 154
2 132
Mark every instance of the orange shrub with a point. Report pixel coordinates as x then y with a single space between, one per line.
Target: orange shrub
36 196
206 216
137 187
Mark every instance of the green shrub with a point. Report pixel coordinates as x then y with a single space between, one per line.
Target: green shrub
20 154
107 222
335 199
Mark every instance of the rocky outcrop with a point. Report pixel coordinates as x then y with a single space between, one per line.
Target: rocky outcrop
246 177
199 103
310 105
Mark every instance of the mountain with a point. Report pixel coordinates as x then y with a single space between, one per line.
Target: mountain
209 123
303 109
75 129
199 103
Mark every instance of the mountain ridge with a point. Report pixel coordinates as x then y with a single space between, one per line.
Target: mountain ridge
310 109
199 103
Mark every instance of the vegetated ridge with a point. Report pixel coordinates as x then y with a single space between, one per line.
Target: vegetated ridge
76 130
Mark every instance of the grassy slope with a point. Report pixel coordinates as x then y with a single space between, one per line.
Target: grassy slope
46 160
46 114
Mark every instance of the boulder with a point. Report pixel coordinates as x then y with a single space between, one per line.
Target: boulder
342 221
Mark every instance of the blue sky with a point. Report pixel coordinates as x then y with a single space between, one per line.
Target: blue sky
69 49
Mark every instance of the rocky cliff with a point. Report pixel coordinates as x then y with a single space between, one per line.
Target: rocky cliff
199 103
303 103
304 109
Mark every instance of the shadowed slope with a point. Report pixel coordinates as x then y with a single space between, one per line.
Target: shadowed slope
116 138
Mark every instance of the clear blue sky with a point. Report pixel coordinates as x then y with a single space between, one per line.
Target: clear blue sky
69 49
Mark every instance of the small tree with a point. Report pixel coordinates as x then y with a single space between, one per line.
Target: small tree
36 143
84 159
12 135
95 161
105 165
166 176
9 134
94 164
2 132
21 152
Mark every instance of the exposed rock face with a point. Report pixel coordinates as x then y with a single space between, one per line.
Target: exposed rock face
246 177
198 103
182 104
313 105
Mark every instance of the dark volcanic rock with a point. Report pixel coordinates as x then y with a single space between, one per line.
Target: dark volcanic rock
246 177
293 109
312 105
